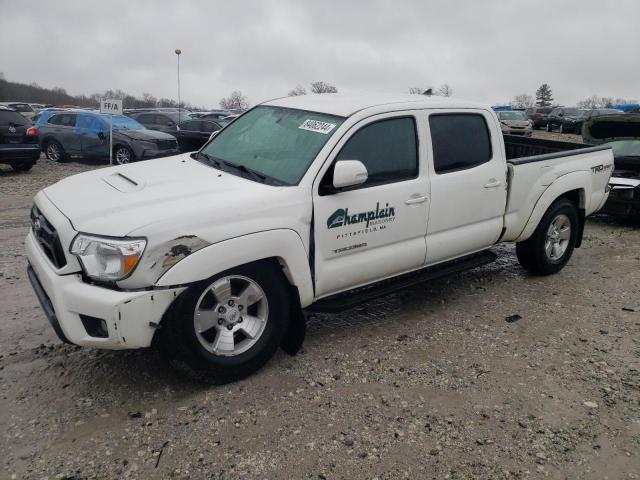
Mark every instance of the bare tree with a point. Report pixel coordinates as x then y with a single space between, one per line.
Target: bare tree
296 92
235 101
445 91
149 100
522 101
323 87
416 90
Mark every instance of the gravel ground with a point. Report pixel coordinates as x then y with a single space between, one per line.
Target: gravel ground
432 382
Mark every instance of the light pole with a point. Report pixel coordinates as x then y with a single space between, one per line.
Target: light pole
178 52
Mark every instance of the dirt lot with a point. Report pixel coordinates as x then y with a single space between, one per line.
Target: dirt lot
431 382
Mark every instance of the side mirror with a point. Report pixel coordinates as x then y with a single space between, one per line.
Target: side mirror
347 173
101 135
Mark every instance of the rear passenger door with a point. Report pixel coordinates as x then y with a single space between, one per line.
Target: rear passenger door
94 135
468 184
377 229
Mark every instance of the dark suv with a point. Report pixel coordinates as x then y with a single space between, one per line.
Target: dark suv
564 119
538 115
86 134
166 122
19 146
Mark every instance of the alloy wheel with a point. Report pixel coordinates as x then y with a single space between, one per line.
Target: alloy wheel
558 237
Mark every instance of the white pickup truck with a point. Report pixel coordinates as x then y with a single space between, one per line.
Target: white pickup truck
311 202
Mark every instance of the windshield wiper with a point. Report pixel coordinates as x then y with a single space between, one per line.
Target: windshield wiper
211 160
256 175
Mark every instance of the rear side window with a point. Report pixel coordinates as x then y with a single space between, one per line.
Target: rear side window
459 140
146 119
387 148
64 119
7 117
210 127
89 122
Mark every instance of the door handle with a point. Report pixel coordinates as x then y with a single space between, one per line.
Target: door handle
493 183
415 199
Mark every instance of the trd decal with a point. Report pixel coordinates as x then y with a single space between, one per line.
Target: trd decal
342 217
601 168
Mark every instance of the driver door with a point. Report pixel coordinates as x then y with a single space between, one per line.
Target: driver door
377 229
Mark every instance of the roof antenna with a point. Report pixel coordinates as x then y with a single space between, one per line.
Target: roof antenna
428 92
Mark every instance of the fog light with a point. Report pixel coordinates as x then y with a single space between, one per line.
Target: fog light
95 327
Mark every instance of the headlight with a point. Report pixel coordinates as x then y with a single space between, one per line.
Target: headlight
107 259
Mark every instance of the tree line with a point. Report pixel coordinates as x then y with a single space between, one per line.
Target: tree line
544 98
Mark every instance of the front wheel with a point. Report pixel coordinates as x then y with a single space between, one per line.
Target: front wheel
123 155
561 129
548 127
550 247
225 328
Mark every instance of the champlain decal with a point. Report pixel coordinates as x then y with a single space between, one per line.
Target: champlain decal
342 217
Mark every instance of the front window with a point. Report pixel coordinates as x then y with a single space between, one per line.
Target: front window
571 112
512 116
278 143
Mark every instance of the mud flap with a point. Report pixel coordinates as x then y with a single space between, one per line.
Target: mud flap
294 336
581 222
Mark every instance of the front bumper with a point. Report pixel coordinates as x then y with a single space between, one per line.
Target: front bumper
527 132
149 153
129 316
624 197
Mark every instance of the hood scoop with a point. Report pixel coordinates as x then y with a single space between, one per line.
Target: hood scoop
123 183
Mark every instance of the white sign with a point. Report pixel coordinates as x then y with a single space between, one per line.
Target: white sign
110 106
317 126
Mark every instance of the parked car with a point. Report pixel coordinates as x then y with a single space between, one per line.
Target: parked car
538 115
298 204
162 121
587 115
193 134
75 133
215 114
43 115
515 123
564 119
19 146
622 133
22 108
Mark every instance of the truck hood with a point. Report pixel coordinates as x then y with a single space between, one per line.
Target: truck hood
621 126
118 201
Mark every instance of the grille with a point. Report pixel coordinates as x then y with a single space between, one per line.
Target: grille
167 144
47 238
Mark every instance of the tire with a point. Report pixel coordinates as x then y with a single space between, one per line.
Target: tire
548 127
192 342
122 155
536 255
561 129
23 167
54 151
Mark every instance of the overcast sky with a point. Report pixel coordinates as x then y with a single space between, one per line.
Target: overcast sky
486 50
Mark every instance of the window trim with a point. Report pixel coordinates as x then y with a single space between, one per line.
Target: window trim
323 190
459 169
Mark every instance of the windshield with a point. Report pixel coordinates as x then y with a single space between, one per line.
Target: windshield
122 122
572 112
625 148
277 142
512 116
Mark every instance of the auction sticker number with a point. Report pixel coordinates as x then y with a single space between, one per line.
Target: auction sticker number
317 126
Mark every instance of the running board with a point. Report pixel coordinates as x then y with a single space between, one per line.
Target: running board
341 301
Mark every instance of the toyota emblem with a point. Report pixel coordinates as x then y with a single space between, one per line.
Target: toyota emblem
12 129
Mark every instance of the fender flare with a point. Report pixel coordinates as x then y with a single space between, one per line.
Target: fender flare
284 245
562 185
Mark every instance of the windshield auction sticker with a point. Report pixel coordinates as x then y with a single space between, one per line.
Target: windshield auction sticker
317 126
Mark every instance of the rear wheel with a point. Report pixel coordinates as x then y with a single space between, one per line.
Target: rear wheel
22 167
550 247
225 328
54 151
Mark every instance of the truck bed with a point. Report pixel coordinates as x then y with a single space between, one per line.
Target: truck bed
538 166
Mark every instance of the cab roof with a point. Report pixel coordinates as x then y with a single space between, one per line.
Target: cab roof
345 105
